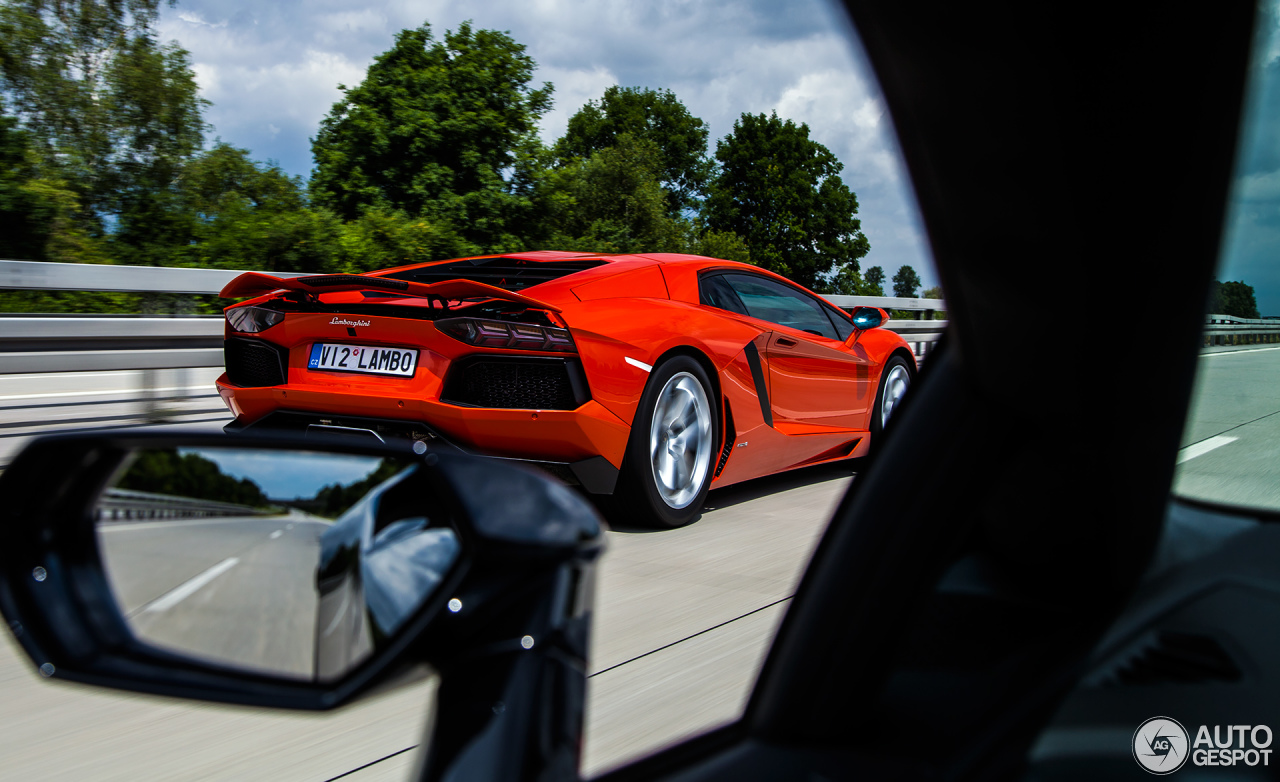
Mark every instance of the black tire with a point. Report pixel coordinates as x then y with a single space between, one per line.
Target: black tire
645 497
896 370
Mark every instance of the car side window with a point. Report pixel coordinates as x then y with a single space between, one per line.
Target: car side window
844 326
715 292
778 303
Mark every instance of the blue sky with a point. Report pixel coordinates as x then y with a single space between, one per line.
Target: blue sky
1251 248
271 71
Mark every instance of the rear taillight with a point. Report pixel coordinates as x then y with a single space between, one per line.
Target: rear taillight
502 334
251 320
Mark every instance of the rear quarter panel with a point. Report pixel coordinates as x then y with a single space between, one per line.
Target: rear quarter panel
609 331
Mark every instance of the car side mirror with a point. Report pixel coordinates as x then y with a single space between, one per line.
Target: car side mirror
868 318
302 574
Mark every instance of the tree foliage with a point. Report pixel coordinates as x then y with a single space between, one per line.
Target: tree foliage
335 499
165 471
615 202
381 237
245 215
26 213
110 110
1233 298
873 281
782 193
654 116
445 130
906 282
434 154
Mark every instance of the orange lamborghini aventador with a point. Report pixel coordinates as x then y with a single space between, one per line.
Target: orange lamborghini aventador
649 377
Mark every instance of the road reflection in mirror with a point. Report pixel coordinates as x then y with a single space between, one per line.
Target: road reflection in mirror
290 563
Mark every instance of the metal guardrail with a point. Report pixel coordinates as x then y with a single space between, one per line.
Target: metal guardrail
1230 330
129 505
98 343
35 344
42 276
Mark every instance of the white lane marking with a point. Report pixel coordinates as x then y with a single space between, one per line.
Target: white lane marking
131 391
638 364
165 602
1202 448
121 373
1237 352
277 534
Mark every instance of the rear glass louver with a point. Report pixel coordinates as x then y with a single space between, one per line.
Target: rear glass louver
512 274
1175 658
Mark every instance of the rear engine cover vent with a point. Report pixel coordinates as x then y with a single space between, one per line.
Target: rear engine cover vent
513 274
1174 658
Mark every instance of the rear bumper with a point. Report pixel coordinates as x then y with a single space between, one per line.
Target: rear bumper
583 446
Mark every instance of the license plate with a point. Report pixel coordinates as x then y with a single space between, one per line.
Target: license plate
363 358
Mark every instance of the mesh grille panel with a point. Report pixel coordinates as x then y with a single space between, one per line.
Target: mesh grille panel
252 363
526 385
512 274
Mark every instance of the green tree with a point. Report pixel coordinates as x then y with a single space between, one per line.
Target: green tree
873 281
844 282
932 293
26 214
615 202
906 282
1233 298
720 244
656 116
166 471
246 215
444 130
336 499
381 238
781 192
110 110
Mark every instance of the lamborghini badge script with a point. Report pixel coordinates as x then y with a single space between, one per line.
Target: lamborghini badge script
345 322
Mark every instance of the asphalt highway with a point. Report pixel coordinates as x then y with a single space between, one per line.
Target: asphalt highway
1231 445
684 618
237 591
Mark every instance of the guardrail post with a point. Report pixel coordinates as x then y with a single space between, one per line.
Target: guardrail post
150 405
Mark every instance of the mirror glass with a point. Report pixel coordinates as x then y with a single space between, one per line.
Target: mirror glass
866 318
291 563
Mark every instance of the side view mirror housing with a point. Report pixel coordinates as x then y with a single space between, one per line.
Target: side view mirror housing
865 318
292 573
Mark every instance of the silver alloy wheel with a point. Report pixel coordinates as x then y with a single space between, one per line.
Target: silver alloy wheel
680 440
895 387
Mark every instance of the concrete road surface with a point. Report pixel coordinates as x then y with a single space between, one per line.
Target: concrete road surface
237 591
78 401
1231 444
683 620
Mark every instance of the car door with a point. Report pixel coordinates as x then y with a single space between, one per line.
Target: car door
816 382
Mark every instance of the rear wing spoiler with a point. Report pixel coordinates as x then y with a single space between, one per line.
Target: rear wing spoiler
256 284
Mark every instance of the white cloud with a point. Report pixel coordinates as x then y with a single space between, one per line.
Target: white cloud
196 19
573 88
272 70
1263 186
